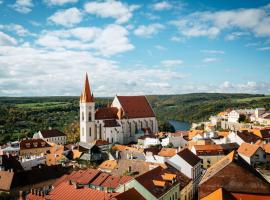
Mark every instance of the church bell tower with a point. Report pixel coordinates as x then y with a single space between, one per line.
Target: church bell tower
87 114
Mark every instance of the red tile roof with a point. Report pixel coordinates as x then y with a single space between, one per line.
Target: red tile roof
149 179
65 191
33 143
136 106
131 194
86 95
52 133
106 113
100 179
189 157
6 178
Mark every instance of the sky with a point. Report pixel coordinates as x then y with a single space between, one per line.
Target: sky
134 47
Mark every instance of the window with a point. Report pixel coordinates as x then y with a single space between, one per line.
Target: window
82 116
129 168
90 131
89 117
112 140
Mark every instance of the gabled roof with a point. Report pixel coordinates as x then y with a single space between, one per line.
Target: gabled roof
33 143
189 157
235 175
86 95
149 179
100 179
247 149
136 106
215 149
52 133
114 181
106 113
247 136
219 194
167 152
6 178
108 164
131 194
65 191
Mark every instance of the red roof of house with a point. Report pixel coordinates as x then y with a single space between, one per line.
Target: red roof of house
136 106
65 191
52 133
131 194
33 143
106 113
100 179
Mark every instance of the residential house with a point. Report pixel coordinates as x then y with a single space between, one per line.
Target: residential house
263 134
253 154
157 183
51 135
148 140
212 153
233 174
176 139
242 136
189 164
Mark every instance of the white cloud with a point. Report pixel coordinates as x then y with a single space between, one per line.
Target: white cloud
67 18
212 51
60 72
236 35
263 49
171 63
108 41
160 48
210 24
209 60
6 40
18 29
149 30
164 5
59 2
111 9
23 6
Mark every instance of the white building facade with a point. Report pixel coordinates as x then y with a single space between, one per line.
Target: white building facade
122 122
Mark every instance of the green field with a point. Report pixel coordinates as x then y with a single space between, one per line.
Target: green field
43 105
23 116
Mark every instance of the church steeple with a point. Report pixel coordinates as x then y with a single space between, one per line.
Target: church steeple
86 95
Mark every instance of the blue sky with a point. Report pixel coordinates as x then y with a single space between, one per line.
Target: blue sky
134 47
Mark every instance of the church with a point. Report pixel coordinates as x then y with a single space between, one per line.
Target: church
124 121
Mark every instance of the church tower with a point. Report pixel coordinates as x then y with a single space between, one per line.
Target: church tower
87 114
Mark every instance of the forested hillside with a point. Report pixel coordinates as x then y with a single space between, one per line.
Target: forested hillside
23 116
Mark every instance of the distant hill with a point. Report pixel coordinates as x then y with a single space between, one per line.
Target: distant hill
21 116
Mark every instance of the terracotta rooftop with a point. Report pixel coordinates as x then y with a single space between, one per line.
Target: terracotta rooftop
106 113
52 133
33 143
114 181
131 194
262 133
215 149
101 142
233 173
86 95
136 106
189 157
6 178
248 137
100 179
153 178
108 164
247 149
65 191
167 152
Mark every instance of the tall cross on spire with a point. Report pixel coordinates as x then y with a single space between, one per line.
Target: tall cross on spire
86 95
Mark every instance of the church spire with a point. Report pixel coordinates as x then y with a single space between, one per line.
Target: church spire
86 95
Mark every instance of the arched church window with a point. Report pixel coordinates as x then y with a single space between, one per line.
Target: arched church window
89 117
82 116
90 131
